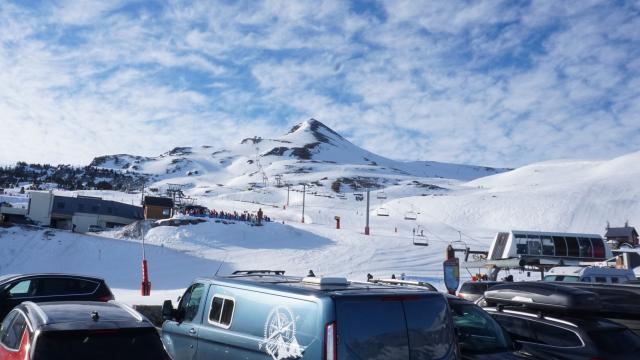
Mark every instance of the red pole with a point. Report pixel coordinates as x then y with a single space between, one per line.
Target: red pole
338 222
146 285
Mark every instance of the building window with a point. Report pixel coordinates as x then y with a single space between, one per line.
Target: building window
109 209
60 205
94 208
166 212
80 207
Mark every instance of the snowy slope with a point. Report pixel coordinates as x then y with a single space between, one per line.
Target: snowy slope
556 195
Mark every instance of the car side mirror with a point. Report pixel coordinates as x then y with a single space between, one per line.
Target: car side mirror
168 312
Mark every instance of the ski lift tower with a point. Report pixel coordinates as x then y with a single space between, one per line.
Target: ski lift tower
175 192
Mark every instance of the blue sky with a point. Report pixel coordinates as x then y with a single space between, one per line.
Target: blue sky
498 83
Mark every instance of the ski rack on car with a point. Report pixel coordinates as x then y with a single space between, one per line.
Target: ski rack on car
258 272
541 296
422 284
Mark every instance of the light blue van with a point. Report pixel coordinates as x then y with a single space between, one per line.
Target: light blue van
267 315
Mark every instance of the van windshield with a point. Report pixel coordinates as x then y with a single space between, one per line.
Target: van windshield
400 327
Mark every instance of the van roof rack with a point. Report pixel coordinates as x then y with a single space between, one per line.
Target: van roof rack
258 272
404 282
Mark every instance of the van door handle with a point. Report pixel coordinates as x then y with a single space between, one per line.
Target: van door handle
192 331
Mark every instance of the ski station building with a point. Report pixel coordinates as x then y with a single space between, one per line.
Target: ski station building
80 213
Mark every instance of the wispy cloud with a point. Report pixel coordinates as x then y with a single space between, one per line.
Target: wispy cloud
494 82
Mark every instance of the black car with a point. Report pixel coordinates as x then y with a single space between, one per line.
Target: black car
566 337
479 335
78 330
15 289
554 321
473 290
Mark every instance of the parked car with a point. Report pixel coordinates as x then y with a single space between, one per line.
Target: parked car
77 331
620 302
15 289
267 315
472 290
479 335
559 322
594 274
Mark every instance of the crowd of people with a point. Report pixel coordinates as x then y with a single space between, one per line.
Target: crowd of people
257 218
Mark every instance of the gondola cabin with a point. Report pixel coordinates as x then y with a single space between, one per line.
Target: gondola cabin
567 246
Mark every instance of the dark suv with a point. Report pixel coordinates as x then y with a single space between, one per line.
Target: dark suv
78 330
554 321
15 289
566 337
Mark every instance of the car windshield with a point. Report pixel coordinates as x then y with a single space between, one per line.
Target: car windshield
478 332
619 341
100 344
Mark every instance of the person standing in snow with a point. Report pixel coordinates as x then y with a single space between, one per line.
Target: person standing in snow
259 216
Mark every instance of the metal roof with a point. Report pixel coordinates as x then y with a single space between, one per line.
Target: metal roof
71 205
627 231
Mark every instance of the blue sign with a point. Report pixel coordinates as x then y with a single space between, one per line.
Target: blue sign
451 269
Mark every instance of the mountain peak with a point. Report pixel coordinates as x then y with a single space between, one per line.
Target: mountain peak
320 131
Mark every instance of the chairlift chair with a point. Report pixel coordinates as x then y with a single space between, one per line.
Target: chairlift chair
382 212
381 195
410 215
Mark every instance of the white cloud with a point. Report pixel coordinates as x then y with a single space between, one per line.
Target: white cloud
491 82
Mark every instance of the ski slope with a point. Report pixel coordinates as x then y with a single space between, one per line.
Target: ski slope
567 195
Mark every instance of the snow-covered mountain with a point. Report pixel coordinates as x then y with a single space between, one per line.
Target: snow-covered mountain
310 152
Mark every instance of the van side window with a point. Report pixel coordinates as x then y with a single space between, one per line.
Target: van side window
614 280
601 279
221 312
586 279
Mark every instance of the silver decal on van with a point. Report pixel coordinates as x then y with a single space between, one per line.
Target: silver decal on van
280 335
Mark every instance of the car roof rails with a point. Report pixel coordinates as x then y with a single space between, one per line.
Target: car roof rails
258 272
423 284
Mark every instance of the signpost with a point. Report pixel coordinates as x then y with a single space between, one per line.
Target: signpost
451 269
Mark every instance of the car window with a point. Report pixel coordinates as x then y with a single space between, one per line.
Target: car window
610 341
473 288
519 329
555 336
22 288
190 302
430 328
477 331
369 328
65 286
139 344
12 335
601 279
221 311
